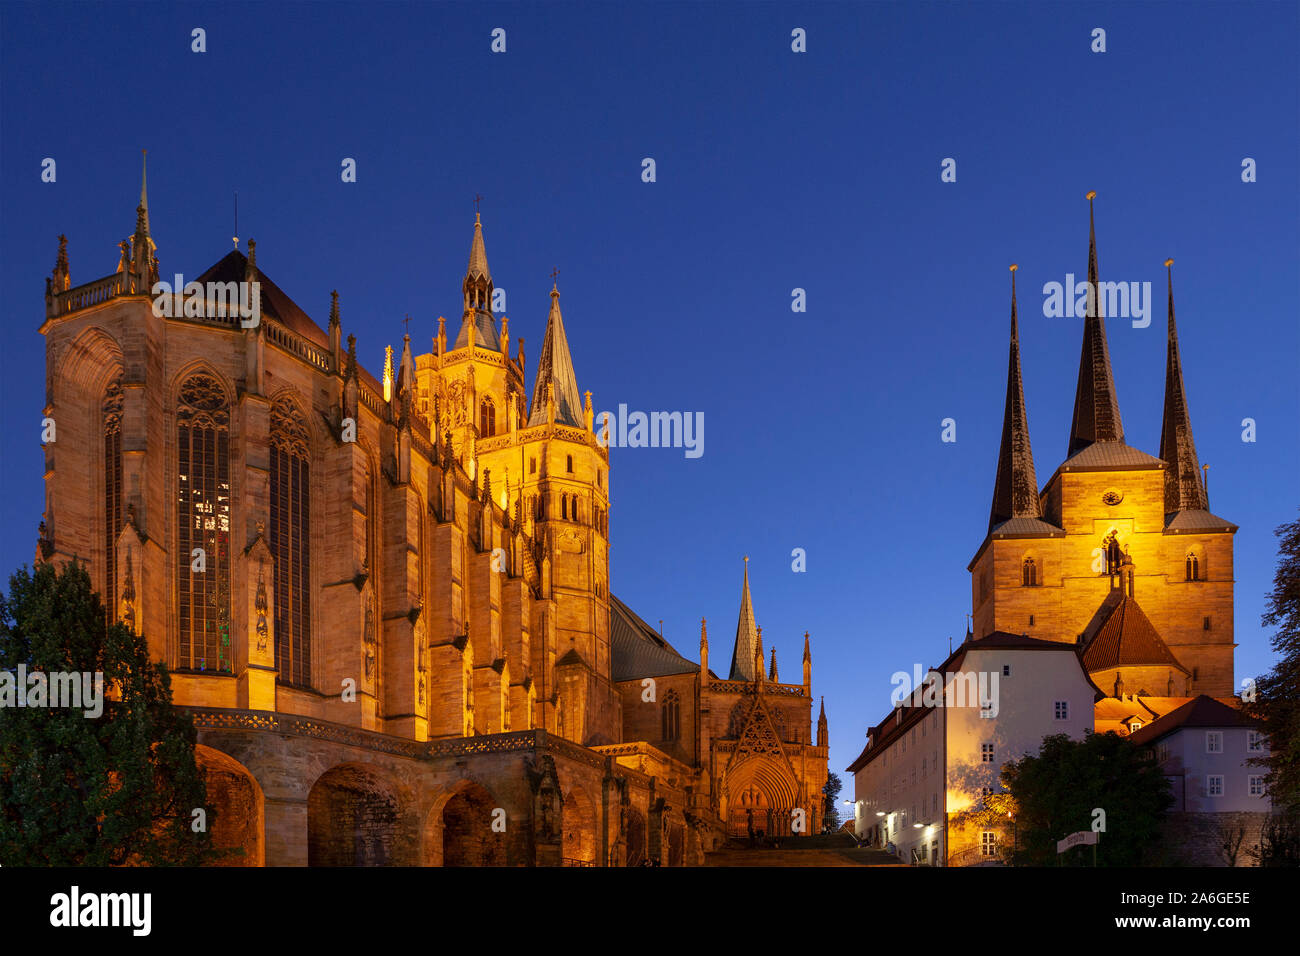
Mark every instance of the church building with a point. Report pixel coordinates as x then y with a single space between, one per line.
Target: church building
386 601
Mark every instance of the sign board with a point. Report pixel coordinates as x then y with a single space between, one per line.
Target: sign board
1081 838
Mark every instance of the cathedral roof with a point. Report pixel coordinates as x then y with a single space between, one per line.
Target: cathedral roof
555 365
485 332
1025 528
1096 405
1127 638
276 304
639 650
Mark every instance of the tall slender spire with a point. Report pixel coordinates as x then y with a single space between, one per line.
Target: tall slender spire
1015 491
142 212
1183 488
477 291
772 673
746 648
555 368
1096 406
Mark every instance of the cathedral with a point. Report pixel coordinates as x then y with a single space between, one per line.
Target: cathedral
1119 552
385 601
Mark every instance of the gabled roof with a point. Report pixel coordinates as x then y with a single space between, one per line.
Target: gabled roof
1127 638
639 650
1202 711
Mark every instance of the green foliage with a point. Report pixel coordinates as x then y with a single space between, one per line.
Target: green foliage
1055 792
1279 843
830 812
1276 701
81 791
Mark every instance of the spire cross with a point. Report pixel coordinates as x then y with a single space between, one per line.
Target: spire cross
554 275
407 322
477 199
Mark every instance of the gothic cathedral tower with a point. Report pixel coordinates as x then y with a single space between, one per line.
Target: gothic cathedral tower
1119 551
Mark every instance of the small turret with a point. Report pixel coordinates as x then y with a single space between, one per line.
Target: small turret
772 674
704 650
807 666
822 735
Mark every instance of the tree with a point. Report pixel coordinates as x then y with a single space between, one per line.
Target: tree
830 812
78 789
1275 701
1057 791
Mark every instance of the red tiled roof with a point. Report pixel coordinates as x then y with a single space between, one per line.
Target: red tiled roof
1127 638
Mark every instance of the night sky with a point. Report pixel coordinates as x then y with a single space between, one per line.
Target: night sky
775 171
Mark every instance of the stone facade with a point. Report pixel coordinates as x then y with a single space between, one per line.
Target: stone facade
385 600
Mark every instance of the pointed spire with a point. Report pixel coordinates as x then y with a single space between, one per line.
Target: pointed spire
334 309
62 279
1183 488
142 214
704 649
1015 490
1096 406
822 735
555 367
352 357
771 674
406 378
742 655
477 292
388 373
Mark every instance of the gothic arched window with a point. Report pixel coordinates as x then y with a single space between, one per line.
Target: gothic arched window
203 525
1030 573
112 414
487 418
564 507
1193 568
290 542
671 714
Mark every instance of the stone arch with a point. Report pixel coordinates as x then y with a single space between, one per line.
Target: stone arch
760 786
355 817
578 826
462 827
91 360
236 808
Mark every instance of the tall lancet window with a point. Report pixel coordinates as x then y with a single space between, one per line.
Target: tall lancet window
1030 573
203 525
112 490
1193 567
290 542
671 716
487 419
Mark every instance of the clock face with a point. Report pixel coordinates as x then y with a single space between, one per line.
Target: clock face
1112 496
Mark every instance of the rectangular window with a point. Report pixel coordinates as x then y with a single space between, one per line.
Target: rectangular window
1062 710
1006 670
1214 741
986 753
988 843
1214 785
1256 785
1256 741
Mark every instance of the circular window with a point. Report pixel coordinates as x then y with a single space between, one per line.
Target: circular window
1112 496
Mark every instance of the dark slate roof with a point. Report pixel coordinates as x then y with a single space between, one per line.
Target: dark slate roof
275 303
277 306
555 366
1015 489
485 333
1096 406
1201 711
1127 638
1184 489
1025 527
1109 454
639 650
1188 521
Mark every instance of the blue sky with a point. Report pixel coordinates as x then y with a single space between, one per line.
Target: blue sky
775 170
